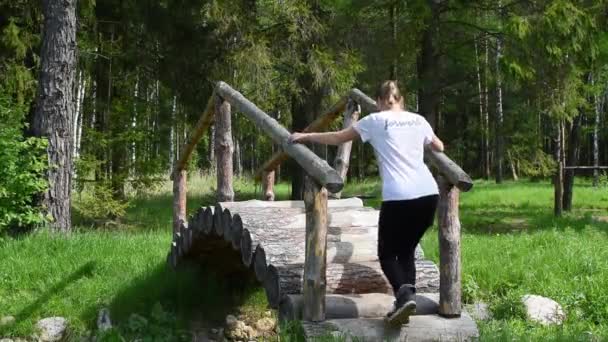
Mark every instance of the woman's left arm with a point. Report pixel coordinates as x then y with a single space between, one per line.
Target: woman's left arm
327 138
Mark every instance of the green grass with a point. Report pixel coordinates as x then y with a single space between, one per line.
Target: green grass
511 245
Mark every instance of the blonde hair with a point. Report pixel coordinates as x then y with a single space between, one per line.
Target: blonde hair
389 93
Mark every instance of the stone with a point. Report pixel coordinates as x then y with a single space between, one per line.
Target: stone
6 321
265 325
52 329
6 340
238 330
543 310
214 331
104 322
479 311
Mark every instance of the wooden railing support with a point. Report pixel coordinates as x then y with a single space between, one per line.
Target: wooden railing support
223 150
179 199
322 122
315 264
342 161
450 304
268 185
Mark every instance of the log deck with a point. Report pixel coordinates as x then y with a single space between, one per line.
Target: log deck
268 240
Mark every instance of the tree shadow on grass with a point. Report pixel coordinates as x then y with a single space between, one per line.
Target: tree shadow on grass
86 270
193 293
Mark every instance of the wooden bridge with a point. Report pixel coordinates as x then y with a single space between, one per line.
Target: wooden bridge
317 258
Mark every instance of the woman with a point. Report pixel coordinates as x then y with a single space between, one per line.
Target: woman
409 191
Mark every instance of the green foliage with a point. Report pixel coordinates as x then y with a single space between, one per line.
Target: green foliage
98 204
22 172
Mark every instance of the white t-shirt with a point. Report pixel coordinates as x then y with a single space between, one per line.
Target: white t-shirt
398 139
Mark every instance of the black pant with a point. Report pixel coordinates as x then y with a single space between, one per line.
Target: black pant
402 225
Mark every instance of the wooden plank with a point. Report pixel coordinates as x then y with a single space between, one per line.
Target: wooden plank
315 263
308 160
321 123
440 160
342 161
201 127
450 303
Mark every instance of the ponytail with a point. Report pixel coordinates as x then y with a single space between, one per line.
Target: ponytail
389 93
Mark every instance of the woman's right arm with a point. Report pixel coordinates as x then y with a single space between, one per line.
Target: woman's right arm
436 144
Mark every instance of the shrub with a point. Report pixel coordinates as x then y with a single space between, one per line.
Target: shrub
97 204
23 164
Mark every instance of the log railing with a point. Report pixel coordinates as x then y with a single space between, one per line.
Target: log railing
321 179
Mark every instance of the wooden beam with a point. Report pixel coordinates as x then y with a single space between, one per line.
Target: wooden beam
450 300
201 127
440 160
315 264
316 167
342 161
223 150
322 122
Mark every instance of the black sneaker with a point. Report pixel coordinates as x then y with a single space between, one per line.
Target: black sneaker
404 306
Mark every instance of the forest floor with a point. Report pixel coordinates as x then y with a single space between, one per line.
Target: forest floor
511 245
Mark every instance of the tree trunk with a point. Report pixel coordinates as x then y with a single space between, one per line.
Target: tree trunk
513 168
395 49
77 122
55 106
499 115
223 145
486 118
212 149
238 170
596 149
482 115
428 67
571 160
559 176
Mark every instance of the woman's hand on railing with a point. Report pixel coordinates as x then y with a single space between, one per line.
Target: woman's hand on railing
297 138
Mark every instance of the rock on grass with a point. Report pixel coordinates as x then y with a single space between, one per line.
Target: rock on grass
52 329
543 310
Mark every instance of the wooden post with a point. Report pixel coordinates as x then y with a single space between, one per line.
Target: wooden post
315 264
179 198
268 185
223 150
342 161
450 304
